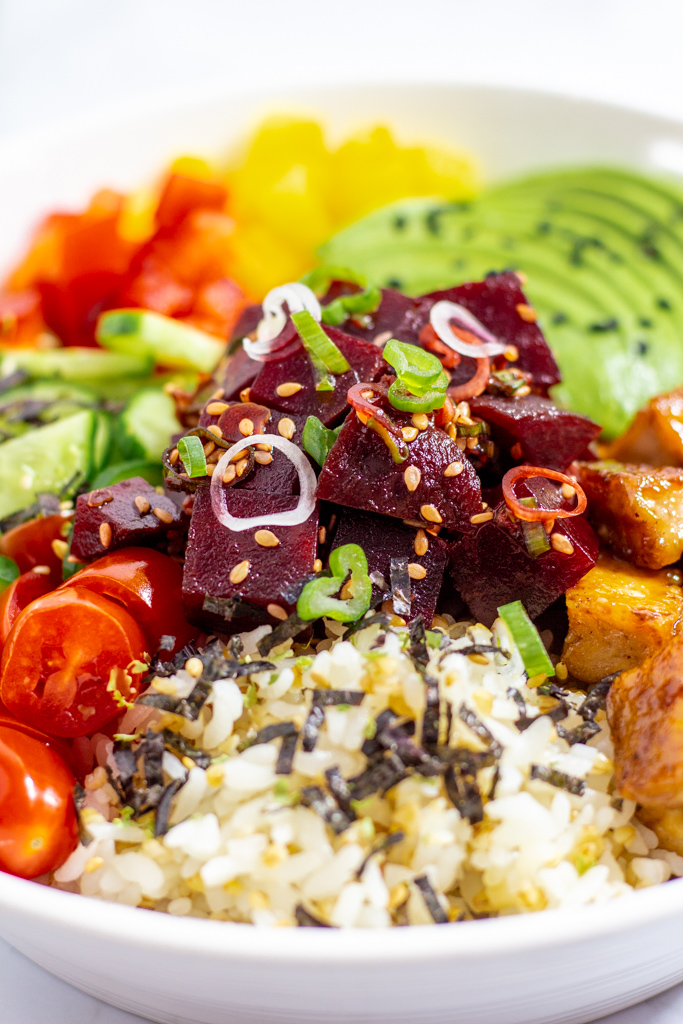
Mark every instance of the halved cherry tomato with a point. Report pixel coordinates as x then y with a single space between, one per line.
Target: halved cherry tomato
182 194
61 655
17 596
38 826
31 544
149 585
61 746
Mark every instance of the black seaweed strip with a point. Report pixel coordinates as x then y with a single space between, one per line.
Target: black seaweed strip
463 792
127 763
431 719
340 790
311 729
84 836
418 641
515 695
473 722
581 734
287 630
559 779
380 618
305 919
553 690
163 809
465 760
273 732
373 746
438 914
191 706
377 579
400 586
410 753
152 750
235 647
230 608
328 698
391 840
285 759
169 668
483 649
380 777
596 697
184 748
325 807
114 783
161 701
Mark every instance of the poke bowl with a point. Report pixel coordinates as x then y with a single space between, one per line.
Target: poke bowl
475 719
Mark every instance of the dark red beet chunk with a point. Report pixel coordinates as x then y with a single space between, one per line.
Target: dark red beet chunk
383 539
360 472
213 551
494 301
388 315
240 372
549 436
492 566
364 358
108 519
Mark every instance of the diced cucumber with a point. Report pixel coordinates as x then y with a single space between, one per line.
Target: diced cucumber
169 342
23 408
56 458
103 441
147 424
79 365
114 474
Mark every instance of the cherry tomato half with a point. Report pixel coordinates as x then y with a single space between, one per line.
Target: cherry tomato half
59 659
31 544
17 596
38 826
149 585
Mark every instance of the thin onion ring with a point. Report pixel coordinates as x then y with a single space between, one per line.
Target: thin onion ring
307 485
440 316
298 298
476 385
536 515
367 411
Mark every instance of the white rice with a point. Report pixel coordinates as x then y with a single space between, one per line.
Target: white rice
241 847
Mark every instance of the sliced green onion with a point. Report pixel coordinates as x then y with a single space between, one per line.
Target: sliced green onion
318 344
336 312
191 452
171 343
418 369
527 639
317 439
317 598
324 380
320 278
401 398
9 572
536 539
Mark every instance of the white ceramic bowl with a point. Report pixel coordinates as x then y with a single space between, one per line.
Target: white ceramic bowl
557 966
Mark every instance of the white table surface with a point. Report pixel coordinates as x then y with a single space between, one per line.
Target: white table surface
60 59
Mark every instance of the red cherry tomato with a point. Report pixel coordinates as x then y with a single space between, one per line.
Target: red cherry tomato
149 585
182 194
17 596
60 746
62 652
31 544
38 826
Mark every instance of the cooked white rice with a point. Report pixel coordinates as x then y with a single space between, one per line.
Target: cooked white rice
242 847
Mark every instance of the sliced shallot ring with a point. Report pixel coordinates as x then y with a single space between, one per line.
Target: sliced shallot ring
535 515
440 317
298 298
476 385
367 411
307 485
273 354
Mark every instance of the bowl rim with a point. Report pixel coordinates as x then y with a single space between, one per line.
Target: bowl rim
519 933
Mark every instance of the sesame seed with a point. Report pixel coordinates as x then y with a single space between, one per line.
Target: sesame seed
94 864
421 544
461 443
348 590
322 535
521 277
263 458
60 547
549 526
420 420
416 571
215 456
382 338
277 612
412 477
409 433
481 517
560 543
568 491
511 353
216 408
215 430
174 456
239 572
244 394
516 451
229 475
527 313
209 447
72 560
288 389
246 427
241 466
431 514
195 667
163 515
286 428
188 763
218 393
45 570
561 671
451 431
317 565
105 535
453 469
472 443
478 659
266 538
263 447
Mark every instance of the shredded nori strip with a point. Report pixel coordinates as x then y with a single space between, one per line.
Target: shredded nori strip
374 746
473 722
552 690
596 697
285 759
379 777
417 650
396 738
127 765
79 801
235 647
377 579
559 779
161 701
326 807
273 732
287 630
432 903
483 649
379 618
581 734
340 790
400 586
311 729
169 668
556 714
305 919
328 698
390 840
463 792
431 719
166 642
230 608
179 745
515 695
152 751
163 808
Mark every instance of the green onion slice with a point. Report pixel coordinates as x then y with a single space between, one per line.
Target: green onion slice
401 398
9 572
418 369
527 639
317 344
141 332
317 439
536 539
336 312
317 598
191 452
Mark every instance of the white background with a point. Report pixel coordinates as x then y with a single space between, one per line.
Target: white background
64 59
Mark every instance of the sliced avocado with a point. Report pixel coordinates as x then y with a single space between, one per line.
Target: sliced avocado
147 424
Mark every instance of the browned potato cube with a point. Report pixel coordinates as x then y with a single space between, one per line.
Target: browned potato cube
618 615
667 824
637 511
656 435
645 713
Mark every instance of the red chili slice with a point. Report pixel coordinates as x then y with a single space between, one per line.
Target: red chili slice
535 515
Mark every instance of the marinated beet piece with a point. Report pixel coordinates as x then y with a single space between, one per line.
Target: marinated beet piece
547 436
125 514
383 539
499 303
364 358
493 566
240 371
361 473
263 575
248 322
234 421
387 317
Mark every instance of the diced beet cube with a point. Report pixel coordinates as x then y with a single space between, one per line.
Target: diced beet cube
213 552
366 363
240 372
548 436
361 473
496 302
388 315
492 566
108 519
382 539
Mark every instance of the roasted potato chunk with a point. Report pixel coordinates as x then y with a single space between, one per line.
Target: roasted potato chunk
645 713
655 437
637 511
667 824
618 615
